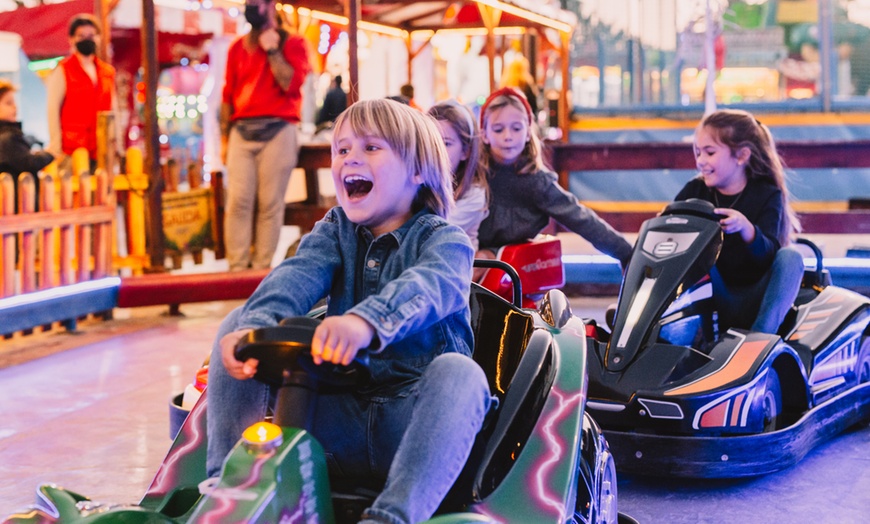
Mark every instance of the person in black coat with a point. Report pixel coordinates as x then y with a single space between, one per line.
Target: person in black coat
16 156
334 103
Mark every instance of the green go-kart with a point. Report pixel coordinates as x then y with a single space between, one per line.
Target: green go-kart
539 457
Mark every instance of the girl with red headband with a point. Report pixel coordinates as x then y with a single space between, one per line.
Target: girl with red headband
524 194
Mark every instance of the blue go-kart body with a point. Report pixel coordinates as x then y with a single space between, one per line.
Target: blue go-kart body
676 397
539 458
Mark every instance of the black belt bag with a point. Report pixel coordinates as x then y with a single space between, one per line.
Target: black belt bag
260 129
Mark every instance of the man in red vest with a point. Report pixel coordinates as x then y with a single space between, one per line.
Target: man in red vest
79 87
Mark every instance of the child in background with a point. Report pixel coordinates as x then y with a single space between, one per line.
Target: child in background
756 278
524 195
15 154
462 140
397 278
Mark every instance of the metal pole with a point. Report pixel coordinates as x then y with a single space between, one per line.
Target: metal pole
154 209
101 13
710 59
354 14
826 53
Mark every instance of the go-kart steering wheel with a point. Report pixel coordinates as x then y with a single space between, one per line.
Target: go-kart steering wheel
695 207
287 347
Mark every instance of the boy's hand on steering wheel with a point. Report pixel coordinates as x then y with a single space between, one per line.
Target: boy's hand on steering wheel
338 339
734 221
238 370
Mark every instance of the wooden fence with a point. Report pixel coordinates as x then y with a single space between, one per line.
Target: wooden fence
565 158
797 154
63 238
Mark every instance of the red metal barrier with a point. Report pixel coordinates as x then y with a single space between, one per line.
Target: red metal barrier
164 288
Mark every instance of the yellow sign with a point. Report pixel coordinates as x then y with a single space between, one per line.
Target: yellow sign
797 12
187 220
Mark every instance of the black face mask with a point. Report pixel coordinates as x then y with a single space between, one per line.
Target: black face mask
86 47
254 17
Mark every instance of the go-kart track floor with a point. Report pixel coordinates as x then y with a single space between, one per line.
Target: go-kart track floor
92 415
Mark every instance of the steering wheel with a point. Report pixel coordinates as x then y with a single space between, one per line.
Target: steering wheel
288 347
694 207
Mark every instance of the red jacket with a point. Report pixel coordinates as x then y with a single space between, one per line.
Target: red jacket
82 101
250 88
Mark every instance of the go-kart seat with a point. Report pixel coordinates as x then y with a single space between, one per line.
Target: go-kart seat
814 279
501 332
537 261
518 362
813 282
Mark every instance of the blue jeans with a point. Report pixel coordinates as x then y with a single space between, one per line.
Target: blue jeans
418 439
761 306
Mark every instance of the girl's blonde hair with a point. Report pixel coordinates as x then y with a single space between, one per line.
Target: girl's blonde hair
737 129
518 73
531 158
415 138
469 172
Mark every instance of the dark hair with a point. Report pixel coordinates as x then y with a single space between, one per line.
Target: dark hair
337 80
5 87
407 90
83 19
400 99
738 129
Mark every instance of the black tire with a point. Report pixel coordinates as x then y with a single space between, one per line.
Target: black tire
771 402
607 511
862 368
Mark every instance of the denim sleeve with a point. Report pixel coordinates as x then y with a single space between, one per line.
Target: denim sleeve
299 282
433 286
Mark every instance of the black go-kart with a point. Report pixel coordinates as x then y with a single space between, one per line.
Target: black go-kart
677 397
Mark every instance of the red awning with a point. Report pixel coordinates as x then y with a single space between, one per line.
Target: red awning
43 31
43 28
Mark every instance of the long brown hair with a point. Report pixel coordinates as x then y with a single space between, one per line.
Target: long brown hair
737 129
469 172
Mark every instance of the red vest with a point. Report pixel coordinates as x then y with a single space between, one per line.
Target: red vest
82 101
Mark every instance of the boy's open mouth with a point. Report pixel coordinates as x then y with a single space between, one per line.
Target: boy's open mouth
357 187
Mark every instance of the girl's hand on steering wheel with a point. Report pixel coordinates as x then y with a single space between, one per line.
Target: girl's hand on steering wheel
736 222
338 339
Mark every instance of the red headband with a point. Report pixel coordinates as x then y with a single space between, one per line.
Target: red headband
507 91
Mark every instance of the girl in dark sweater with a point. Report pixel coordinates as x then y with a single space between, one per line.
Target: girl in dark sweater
757 275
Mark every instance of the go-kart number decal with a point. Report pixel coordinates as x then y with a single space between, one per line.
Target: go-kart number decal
660 244
308 498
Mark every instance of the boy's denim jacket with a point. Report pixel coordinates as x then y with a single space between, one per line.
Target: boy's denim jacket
411 285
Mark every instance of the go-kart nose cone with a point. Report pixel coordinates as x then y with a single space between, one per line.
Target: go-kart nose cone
262 437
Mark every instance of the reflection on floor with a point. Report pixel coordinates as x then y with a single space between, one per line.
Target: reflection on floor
93 417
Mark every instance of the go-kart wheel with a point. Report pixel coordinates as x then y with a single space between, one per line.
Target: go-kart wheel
771 402
288 346
862 368
607 511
